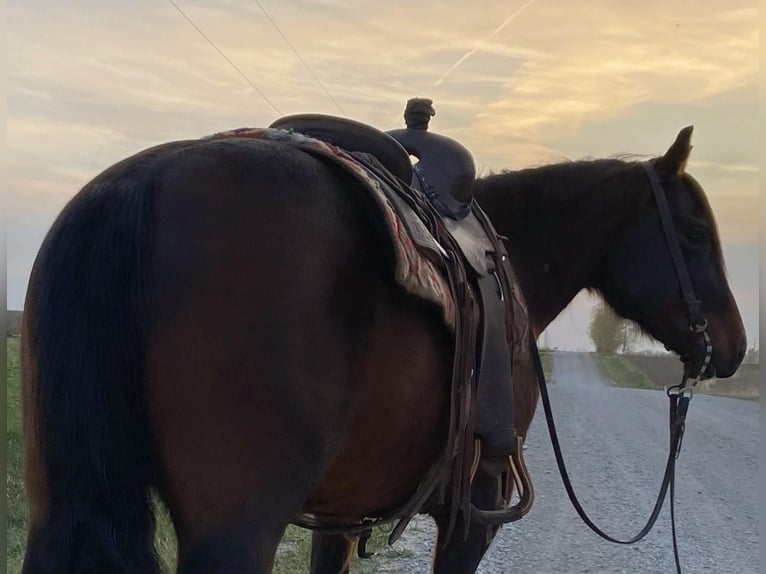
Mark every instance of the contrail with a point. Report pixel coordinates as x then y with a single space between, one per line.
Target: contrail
499 29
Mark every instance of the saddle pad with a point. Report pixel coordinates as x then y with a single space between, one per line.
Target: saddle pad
416 272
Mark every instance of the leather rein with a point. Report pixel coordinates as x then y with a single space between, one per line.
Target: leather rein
679 395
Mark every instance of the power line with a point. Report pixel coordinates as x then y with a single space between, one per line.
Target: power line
232 64
305 64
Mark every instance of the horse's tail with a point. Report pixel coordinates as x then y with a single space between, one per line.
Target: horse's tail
88 461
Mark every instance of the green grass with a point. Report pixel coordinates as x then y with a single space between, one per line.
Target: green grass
621 373
546 358
16 527
293 554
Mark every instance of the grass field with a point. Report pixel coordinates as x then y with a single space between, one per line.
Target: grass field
292 556
16 529
622 373
546 358
667 370
658 372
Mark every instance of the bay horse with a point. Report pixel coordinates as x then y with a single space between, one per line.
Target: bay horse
217 320
591 225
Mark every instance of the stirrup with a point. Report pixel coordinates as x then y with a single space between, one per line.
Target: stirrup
517 469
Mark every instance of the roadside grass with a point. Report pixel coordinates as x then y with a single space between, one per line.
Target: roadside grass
16 527
293 554
667 370
619 372
546 358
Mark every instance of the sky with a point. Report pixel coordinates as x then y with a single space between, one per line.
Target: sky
521 83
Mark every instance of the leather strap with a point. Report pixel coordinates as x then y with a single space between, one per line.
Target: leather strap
679 404
494 395
697 319
445 204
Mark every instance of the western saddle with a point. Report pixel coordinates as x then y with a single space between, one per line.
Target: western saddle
444 174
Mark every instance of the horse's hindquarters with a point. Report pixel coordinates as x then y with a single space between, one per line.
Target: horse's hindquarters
263 277
399 412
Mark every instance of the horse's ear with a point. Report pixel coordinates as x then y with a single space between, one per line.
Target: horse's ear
673 163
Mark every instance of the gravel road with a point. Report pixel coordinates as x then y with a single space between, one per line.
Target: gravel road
614 442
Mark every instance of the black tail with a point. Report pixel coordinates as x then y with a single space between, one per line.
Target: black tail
88 320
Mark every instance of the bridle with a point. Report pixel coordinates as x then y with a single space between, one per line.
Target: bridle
679 395
697 320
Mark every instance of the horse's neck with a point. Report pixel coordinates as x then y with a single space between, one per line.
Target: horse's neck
559 221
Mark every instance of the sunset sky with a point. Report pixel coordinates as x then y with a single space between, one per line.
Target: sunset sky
520 83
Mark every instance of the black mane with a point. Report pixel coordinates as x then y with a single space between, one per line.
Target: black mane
567 183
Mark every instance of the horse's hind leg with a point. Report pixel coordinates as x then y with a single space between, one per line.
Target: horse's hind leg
331 553
243 434
233 548
242 438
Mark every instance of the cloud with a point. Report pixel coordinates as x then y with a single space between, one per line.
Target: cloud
745 168
92 84
515 14
655 53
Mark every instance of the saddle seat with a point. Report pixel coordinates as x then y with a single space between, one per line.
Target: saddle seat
352 136
444 172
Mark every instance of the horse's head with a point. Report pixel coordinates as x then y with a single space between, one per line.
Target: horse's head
639 279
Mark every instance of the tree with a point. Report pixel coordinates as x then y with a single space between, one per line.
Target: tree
631 333
606 329
611 332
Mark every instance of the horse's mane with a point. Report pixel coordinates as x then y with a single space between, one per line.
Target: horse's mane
568 179
561 170
540 201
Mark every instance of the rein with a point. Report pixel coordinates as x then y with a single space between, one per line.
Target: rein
679 395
